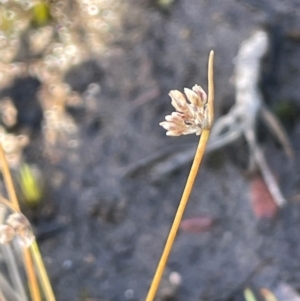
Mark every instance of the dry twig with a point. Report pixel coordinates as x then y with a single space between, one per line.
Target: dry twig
241 119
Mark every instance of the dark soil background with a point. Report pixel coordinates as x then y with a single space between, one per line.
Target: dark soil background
109 227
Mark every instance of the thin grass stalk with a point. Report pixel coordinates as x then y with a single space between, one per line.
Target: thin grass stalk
13 271
45 283
188 187
8 255
33 284
8 290
178 216
31 276
12 196
7 203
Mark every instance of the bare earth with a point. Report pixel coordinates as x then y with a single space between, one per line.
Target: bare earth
114 224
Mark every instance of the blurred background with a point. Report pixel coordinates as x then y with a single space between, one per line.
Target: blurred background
83 86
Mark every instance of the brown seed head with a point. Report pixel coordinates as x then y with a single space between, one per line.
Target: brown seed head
19 226
6 234
18 221
191 112
26 237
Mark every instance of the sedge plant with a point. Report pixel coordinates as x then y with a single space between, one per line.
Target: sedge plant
194 115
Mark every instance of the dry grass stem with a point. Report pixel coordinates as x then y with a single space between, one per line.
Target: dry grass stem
202 112
21 226
45 283
34 289
32 279
7 290
8 180
8 204
13 271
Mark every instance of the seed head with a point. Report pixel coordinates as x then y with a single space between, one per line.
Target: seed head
191 112
6 234
17 225
18 221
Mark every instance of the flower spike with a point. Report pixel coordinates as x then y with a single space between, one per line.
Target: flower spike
194 114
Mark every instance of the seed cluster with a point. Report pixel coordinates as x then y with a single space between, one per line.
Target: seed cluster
190 115
16 225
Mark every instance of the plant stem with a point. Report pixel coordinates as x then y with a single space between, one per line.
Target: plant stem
33 284
8 204
13 271
178 216
31 277
188 187
12 196
45 283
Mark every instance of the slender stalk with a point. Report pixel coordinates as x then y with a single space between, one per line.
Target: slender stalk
188 187
178 216
211 91
8 204
33 284
7 290
13 272
32 280
37 258
12 196
45 283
